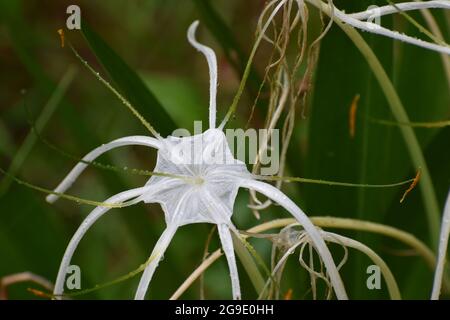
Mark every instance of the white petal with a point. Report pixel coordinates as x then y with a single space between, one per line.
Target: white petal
227 246
212 64
160 248
442 253
155 258
222 214
279 197
94 154
84 227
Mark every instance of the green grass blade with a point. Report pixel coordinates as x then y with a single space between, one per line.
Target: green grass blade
249 264
413 146
46 114
6 143
129 83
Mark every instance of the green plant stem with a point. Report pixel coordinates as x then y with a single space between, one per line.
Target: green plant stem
434 27
46 114
249 264
360 225
197 273
332 183
392 286
367 226
399 112
323 222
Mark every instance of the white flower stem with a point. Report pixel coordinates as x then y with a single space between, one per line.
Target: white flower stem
442 252
84 227
279 197
79 168
153 261
377 29
403 6
212 65
227 246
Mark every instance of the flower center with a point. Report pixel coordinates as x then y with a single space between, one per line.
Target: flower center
197 180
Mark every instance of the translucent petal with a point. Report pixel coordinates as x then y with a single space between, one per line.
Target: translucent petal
279 197
84 227
94 154
207 163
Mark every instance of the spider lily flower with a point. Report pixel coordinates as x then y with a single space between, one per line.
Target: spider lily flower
200 185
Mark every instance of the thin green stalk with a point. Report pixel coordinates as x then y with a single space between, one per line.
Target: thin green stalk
392 286
46 114
399 112
434 27
358 225
333 183
249 264
324 222
247 69
417 24
431 124
122 99
426 185
65 196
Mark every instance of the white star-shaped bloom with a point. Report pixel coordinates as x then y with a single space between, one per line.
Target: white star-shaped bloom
199 177
199 184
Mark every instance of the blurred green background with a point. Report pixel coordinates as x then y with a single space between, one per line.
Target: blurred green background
149 35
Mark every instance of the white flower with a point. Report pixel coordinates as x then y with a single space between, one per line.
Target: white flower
199 185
